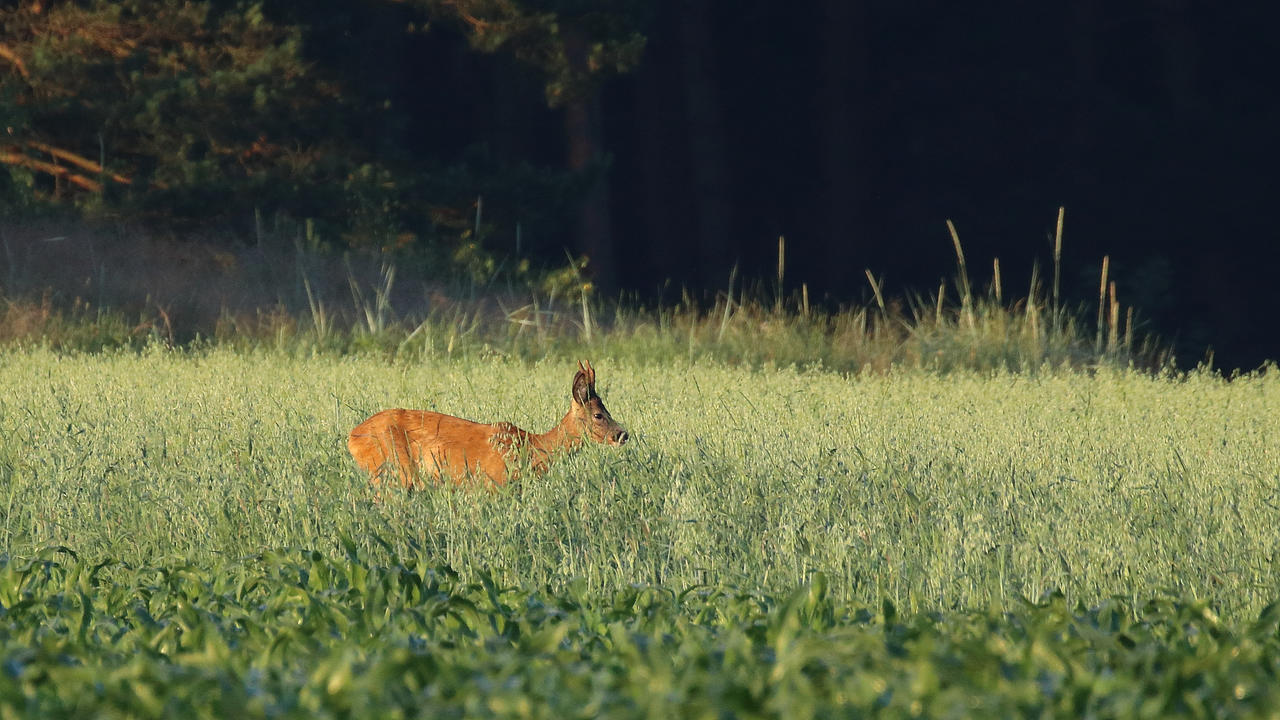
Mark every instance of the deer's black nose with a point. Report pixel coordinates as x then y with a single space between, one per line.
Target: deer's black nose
621 437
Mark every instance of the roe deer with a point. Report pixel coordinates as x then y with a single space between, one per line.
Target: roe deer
407 442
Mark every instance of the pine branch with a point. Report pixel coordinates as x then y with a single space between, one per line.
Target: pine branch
79 161
7 53
21 160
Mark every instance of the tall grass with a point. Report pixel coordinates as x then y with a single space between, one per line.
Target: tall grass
296 299
939 505
965 490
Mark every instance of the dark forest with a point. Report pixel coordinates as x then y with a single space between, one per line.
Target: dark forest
669 141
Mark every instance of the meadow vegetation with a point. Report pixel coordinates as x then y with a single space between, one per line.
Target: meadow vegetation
302 635
772 542
80 288
937 492
926 507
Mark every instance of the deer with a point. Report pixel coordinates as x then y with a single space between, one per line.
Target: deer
412 445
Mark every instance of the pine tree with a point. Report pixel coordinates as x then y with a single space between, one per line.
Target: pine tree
576 44
180 104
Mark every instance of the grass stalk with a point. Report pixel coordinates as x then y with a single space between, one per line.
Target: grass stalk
321 323
1032 313
1102 303
875 289
966 295
728 305
1128 330
1114 323
782 273
1057 264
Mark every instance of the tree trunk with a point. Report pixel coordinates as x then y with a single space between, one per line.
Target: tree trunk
661 191
1178 45
584 133
709 166
1084 92
843 153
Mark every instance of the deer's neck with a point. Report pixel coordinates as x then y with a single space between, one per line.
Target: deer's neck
562 438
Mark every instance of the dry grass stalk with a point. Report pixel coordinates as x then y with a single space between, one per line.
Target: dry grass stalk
1102 302
966 296
1057 261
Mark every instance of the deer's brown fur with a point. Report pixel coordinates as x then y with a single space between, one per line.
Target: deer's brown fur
411 444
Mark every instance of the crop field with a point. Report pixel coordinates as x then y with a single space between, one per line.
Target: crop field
184 533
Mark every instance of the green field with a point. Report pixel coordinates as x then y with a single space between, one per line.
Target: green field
773 541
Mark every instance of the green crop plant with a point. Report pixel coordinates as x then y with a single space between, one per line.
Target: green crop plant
184 534
299 634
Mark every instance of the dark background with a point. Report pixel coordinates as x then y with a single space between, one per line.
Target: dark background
855 128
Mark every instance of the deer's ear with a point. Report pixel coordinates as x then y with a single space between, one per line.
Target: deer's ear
582 389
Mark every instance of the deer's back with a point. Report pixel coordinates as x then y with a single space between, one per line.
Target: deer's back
432 443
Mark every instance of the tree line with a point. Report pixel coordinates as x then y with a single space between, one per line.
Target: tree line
667 140
347 115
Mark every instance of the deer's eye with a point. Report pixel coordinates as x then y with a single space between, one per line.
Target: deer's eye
599 416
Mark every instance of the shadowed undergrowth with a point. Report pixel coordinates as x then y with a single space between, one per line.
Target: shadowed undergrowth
78 294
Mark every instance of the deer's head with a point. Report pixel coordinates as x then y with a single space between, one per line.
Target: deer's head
590 411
